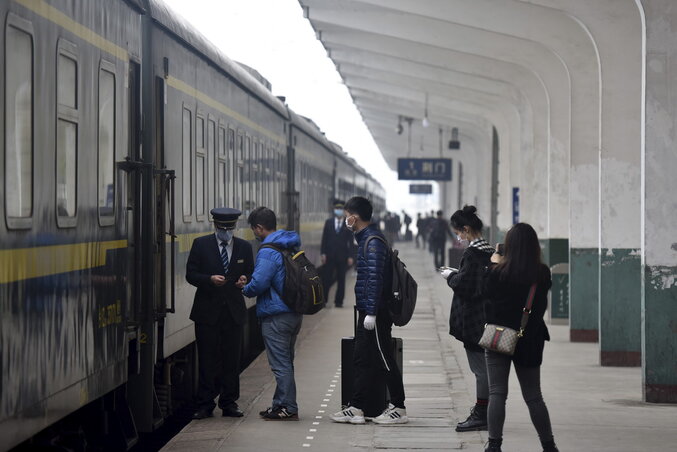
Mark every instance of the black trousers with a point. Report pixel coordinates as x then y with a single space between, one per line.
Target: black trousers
498 367
373 360
335 271
438 253
219 350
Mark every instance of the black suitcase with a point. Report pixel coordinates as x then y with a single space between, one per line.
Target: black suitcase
376 402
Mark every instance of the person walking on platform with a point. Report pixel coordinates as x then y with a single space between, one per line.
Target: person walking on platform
466 321
439 231
336 252
372 356
279 324
420 229
506 286
219 265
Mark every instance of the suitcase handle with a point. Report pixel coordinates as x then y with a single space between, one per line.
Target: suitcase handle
354 321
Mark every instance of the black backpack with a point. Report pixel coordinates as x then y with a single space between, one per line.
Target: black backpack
401 296
303 291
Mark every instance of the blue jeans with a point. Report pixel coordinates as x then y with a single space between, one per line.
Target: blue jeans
279 336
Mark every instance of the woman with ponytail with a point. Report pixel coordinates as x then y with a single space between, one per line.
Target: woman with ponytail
466 321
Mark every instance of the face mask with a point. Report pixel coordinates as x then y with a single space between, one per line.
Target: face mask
224 234
350 225
338 212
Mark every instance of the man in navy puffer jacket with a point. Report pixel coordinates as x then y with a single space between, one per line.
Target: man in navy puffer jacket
279 324
372 356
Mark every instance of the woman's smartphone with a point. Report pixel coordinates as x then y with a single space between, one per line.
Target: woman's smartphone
441 269
499 249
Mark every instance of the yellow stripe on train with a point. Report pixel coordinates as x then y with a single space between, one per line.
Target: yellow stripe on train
25 263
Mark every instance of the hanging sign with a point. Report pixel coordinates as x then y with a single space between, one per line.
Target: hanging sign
420 189
424 169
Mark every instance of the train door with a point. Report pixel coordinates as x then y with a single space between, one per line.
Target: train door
130 175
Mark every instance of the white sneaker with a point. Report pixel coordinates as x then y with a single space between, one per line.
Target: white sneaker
392 415
350 415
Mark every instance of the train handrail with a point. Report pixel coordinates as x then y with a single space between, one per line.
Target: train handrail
171 176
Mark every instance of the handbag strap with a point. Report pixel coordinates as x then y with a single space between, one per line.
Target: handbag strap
526 310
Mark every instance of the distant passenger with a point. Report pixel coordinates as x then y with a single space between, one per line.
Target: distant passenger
506 287
407 223
337 251
279 325
219 265
372 356
466 321
439 231
420 227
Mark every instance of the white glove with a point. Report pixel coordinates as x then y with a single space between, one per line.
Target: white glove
446 272
369 322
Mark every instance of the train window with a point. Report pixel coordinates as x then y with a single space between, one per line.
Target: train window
239 173
230 167
67 81
200 184
246 182
187 181
106 141
200 133
200 173
212 162
66 167
66 134
18 123
222 171
255 175
265 175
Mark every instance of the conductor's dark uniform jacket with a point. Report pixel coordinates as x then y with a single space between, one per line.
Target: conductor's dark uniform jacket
338 245
219 314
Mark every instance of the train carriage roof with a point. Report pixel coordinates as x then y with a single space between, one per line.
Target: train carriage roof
308 126
178 26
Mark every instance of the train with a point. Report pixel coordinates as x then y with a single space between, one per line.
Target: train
122 126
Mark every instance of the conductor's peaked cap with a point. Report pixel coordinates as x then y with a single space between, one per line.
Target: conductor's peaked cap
225 217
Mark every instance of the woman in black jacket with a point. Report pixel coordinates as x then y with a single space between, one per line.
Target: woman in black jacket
466 321
506 288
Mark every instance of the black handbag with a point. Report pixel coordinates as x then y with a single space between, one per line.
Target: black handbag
502 339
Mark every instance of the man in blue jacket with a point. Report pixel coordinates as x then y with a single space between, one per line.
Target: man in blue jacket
372 356
279 324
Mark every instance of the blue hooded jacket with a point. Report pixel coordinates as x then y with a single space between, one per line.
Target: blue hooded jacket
267 283
372 273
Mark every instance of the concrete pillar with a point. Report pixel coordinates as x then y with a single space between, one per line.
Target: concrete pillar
620 186
659 205
614 25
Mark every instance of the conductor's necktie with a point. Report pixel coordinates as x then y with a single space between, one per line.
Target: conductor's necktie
338 227
224 256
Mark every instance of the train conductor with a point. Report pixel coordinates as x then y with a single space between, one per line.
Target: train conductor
219 265
336 252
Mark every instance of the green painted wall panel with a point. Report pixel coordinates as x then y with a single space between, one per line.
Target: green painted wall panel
584 289
620 301
659 354
556 256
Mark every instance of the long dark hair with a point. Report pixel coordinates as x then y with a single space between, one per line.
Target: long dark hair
521 255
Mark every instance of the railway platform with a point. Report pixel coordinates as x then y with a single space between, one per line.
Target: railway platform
592 408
